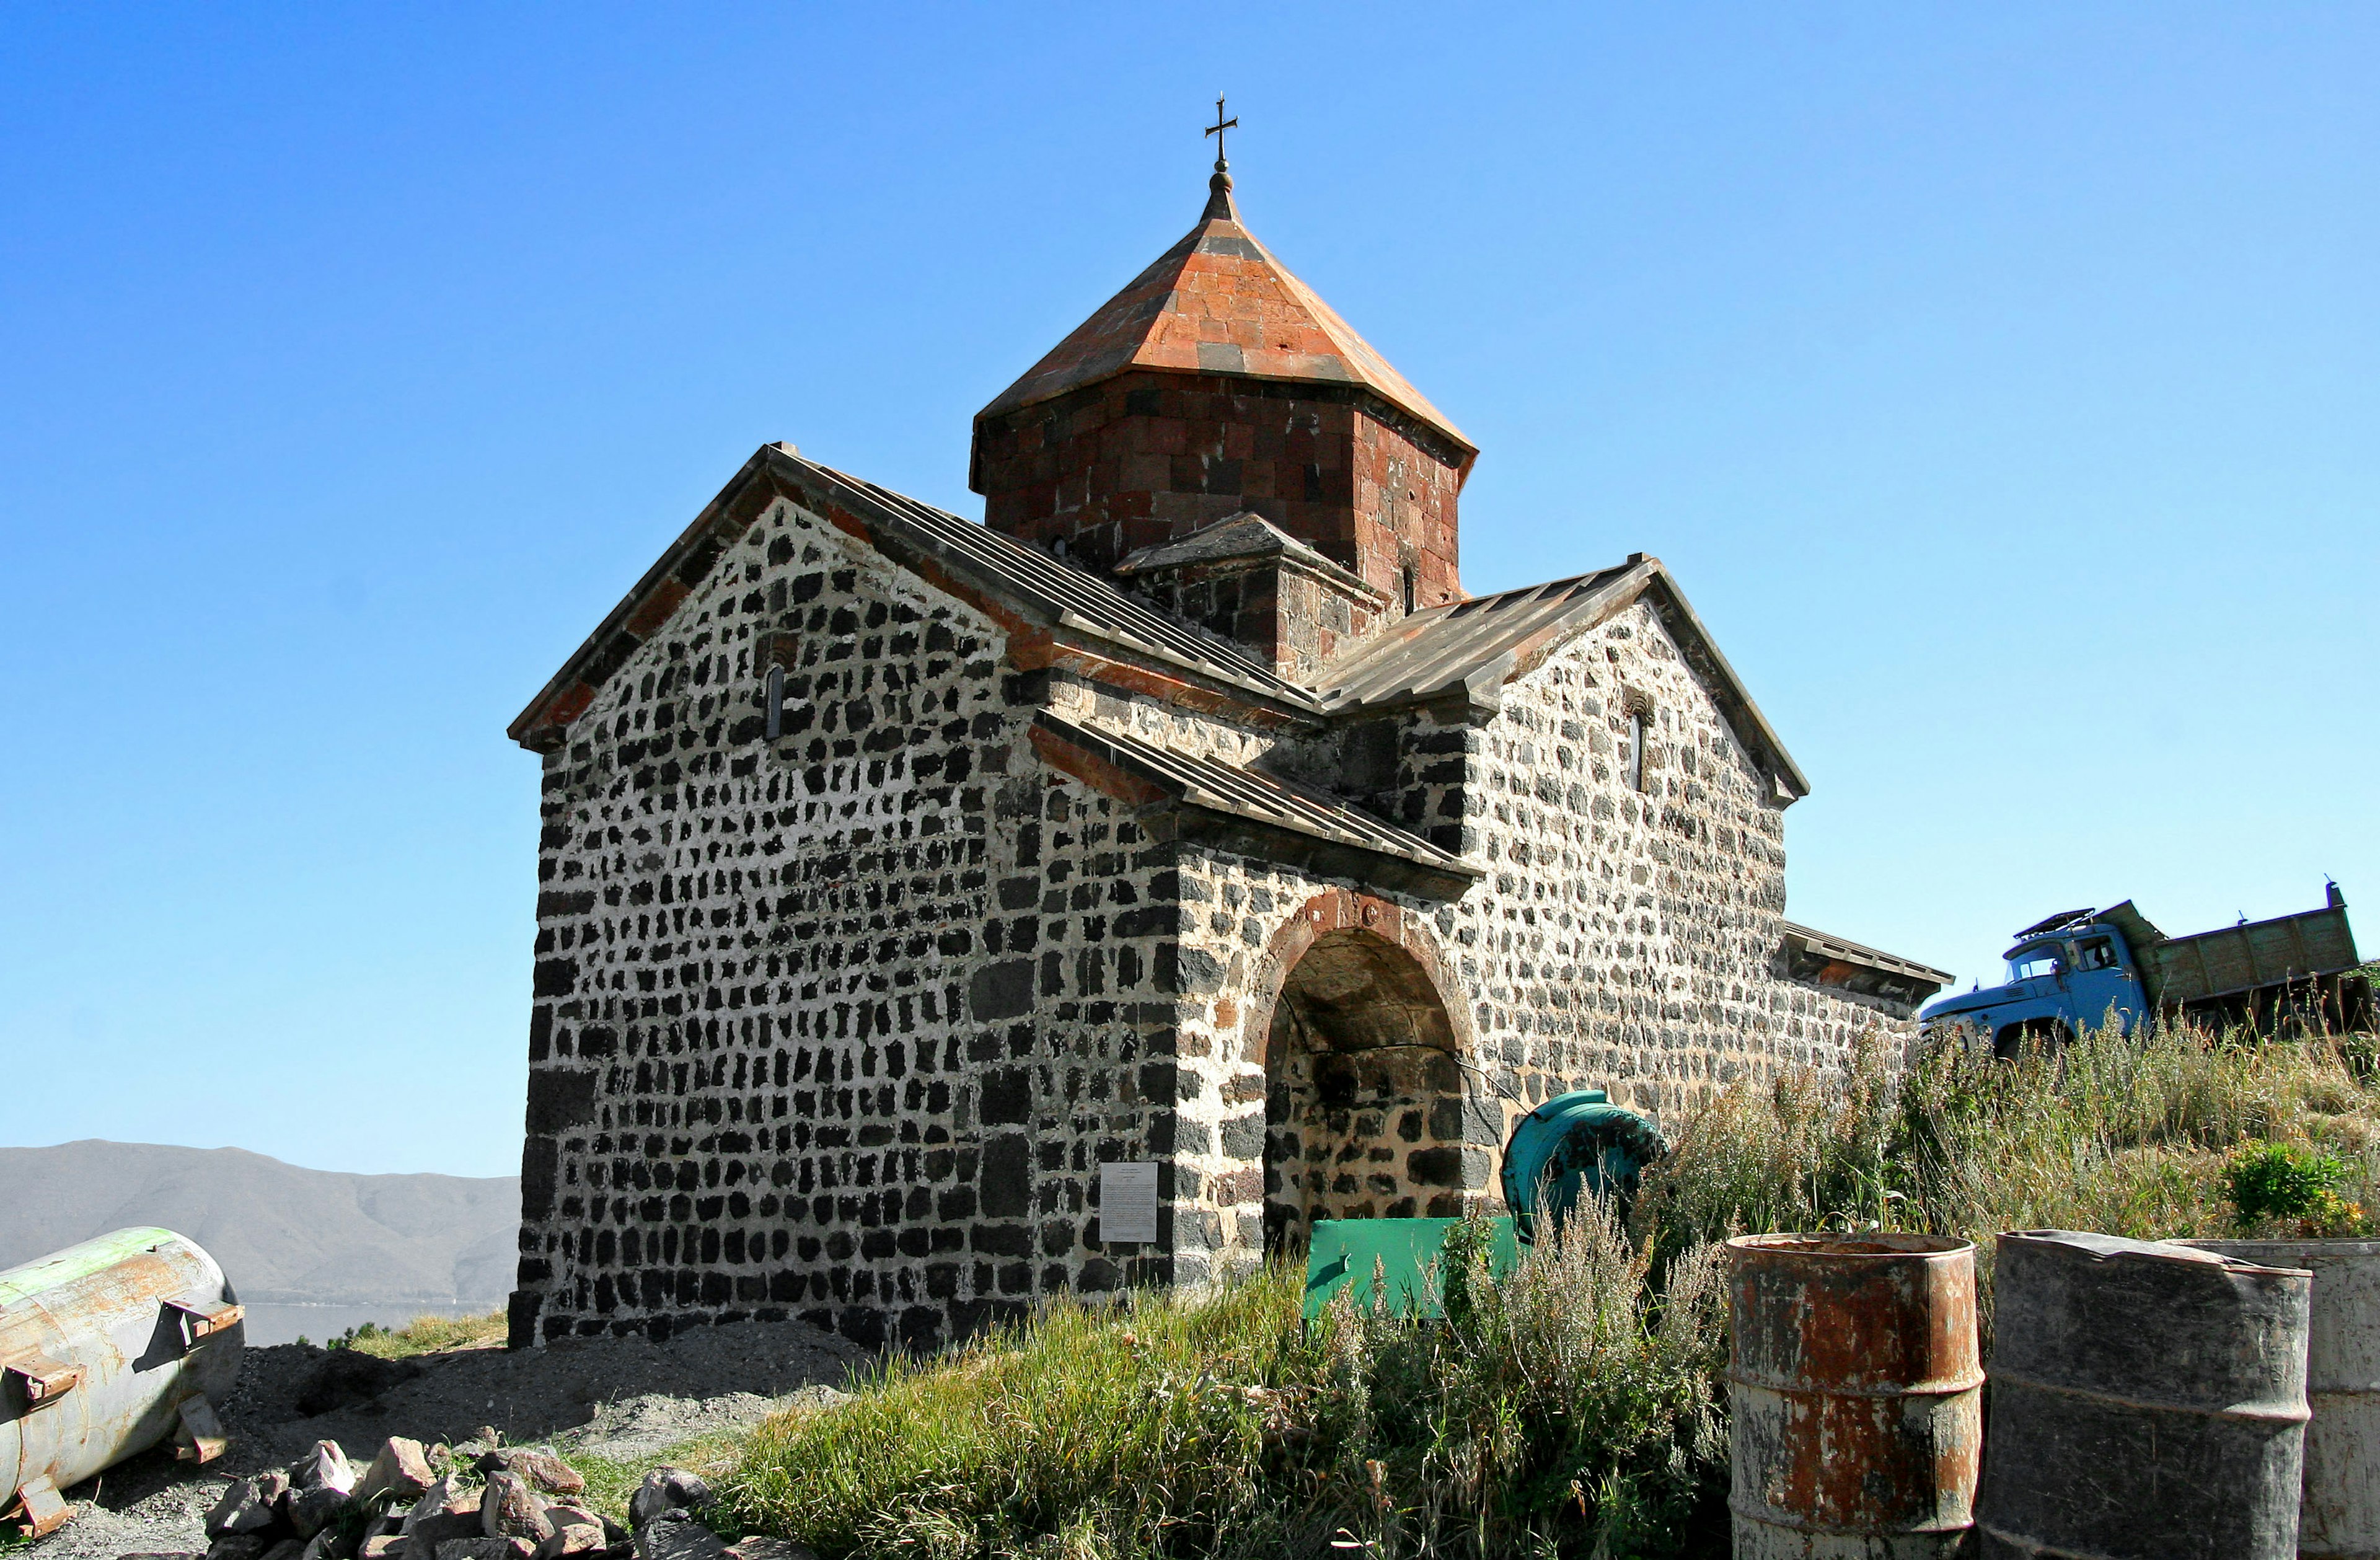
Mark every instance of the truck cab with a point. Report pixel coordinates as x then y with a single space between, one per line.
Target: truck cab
2071 972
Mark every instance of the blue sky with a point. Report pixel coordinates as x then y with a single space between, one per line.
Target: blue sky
1999 381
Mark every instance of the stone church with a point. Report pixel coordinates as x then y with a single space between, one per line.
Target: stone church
1184 818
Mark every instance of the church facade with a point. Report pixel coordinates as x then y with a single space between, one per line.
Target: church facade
906 881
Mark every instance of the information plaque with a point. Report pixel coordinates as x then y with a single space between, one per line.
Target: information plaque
1127 1202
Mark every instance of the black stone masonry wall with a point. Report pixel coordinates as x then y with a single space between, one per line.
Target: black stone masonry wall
837 1025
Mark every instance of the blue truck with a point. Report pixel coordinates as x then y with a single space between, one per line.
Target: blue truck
2083 970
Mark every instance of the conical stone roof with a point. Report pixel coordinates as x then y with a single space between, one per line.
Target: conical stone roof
1219 303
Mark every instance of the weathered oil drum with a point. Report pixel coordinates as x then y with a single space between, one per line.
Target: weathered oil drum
2147 1402
2338 1509
1855 1395
106 1348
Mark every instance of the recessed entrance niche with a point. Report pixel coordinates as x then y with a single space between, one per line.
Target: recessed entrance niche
1363 1096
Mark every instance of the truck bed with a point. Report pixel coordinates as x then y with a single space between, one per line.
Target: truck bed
2233 959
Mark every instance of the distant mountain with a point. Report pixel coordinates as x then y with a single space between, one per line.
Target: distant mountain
283 1235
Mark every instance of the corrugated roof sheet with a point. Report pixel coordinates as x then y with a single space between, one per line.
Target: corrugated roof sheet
1222 786
1860 953
1470 644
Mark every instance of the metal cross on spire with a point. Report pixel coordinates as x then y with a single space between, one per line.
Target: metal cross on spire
1217 129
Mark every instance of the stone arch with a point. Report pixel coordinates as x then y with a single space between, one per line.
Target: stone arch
1365 1094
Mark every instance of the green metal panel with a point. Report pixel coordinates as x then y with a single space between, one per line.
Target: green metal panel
1345 1254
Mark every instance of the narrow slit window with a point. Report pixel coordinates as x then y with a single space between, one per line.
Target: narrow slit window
1411 590
776 702
1636 748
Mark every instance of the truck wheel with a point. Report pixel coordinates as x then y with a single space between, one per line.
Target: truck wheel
2051 1034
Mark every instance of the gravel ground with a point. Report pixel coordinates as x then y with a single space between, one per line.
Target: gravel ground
619 1398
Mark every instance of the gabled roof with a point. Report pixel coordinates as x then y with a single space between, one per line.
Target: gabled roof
1218 302
1057 616
1470 648
1060 616
1293 823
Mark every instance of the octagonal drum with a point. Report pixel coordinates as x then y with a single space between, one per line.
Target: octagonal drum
1857 1396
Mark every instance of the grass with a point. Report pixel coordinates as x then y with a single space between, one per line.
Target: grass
1128 1430
425 1334
1574 1399
1575 1407
2127 1137
610 1481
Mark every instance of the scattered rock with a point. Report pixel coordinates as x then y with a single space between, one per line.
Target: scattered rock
676 1535
510 1509
401 1470
428 1534
484 1549
541 1469
241 1510
382 1546
239 1546
347 1376
573 1538
770 1549
288 1549
442 1516
311 1511
666 1490
324 1467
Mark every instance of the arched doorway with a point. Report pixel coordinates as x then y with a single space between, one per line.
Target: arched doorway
1363 1095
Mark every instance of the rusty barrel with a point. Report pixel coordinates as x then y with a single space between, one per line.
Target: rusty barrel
106 1349
2339 1504
2148 1402
1856 1395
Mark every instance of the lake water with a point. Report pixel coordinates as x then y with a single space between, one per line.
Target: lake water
285 1324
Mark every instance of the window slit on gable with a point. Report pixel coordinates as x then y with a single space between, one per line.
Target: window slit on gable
776 696
1640 727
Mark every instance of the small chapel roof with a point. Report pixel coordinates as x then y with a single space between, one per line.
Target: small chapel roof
1217 302
1313 825
1472 647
